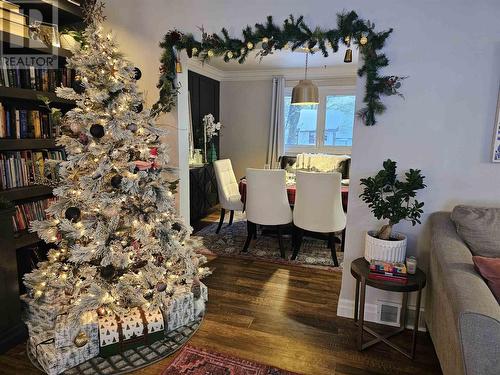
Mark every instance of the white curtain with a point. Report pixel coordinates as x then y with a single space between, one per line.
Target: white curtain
275 148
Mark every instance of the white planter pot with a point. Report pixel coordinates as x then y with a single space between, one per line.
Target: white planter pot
387 251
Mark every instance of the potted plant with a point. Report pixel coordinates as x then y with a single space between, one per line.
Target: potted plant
211 128
393 200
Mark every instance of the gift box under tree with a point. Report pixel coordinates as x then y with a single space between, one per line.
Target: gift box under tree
57 360
180 310
138 327
65 333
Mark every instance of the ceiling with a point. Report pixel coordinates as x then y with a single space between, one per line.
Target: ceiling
285 59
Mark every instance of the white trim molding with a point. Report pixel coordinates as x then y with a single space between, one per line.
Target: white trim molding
344 74
345 309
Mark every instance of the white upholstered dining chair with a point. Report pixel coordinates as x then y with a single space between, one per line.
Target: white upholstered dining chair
229 194
318 208
266 203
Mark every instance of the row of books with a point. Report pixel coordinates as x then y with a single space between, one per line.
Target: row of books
389 271
19 123
40 79
24 168
30 211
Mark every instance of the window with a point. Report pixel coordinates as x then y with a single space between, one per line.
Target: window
326 127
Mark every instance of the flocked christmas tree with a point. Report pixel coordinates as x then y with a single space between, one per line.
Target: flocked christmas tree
120 243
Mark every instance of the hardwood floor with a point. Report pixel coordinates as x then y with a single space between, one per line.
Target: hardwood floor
283 316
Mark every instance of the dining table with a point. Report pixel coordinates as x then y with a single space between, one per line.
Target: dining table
291 191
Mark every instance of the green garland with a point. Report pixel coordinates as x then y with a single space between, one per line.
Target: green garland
294 33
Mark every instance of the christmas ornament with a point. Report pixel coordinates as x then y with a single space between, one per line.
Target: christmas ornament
138 107
160 287
363 40
83 138
101 311
348 56
81 339
145 165
108 272
177 227
139 264
159 259
78 86
132 127
116 181
137 74
229 55
153 152
97 131
73 214
75 127
148 294
178 66
210 53
250 45
194 51
265 40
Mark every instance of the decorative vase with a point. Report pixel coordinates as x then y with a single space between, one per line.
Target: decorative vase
385 250
212 154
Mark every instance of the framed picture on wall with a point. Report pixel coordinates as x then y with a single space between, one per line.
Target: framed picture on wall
496 136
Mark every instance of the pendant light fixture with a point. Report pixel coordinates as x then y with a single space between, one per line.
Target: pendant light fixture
305 92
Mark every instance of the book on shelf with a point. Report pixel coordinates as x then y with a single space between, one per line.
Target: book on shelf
7 5
393 278
21 123
28 212
388 268
28 167
11 26
35 78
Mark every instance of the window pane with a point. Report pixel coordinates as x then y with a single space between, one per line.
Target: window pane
339 120
300 124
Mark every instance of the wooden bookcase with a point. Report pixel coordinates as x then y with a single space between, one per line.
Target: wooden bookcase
63 13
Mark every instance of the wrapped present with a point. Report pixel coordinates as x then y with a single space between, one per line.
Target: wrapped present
200 293
65 332
138 327
180 310
57 360
40 316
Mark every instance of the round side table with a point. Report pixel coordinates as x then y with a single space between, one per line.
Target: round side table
360 269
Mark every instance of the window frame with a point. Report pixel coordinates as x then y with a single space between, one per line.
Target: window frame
320 147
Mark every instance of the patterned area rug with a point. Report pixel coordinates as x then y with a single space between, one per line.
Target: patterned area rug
194 361
230 241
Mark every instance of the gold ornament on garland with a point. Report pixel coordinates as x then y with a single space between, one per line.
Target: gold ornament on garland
81 339
210 53
363 40
194 51
250 45
229 55
265 40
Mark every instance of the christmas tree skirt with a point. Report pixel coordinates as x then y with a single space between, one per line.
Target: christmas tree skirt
134 359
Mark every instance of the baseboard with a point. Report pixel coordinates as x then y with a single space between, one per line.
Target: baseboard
345 309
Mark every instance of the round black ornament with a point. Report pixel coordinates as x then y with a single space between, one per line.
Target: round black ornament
160 287
139 264
148 294
73 214
116 180
137 73
108 272
78 86
97 131
138 107
132 127
177 227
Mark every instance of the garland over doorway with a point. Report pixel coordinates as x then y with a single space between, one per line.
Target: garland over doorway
293 34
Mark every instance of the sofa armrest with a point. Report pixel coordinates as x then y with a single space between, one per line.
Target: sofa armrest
475 310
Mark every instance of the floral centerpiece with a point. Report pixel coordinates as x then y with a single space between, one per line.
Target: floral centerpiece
211 128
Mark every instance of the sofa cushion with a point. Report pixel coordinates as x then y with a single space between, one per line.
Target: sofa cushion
479 228
489 269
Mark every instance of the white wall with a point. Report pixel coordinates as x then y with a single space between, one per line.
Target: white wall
449 48
245 115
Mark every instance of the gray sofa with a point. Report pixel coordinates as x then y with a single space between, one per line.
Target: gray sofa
463 316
